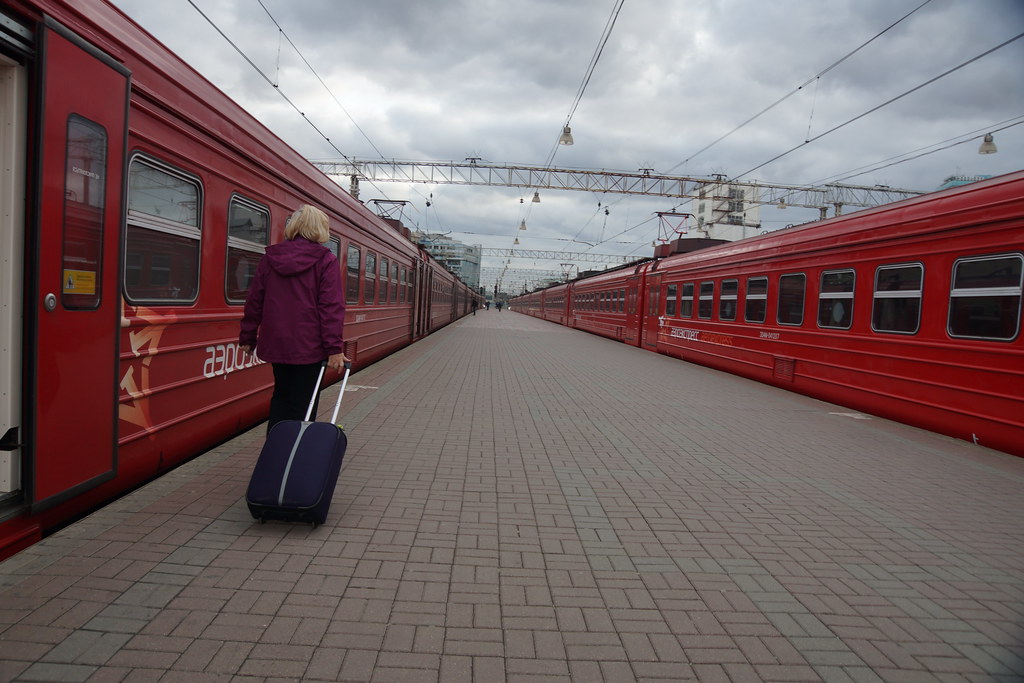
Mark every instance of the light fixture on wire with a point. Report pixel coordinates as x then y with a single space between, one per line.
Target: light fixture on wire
515 241
522 224
781 204
987 146
566 137
536 197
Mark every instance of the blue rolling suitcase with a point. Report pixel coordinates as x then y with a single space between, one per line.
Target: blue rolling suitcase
298 468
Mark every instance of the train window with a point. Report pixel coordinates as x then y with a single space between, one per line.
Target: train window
756 304
383 280
84 192
705 302
352 262
248 235
686 301
896 306
985 297
671 300
835 299
394 283
370 291
791 299
334 246
622 300
727 299
163 234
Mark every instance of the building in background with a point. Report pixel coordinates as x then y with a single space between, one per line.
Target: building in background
957 180
457 257
728 212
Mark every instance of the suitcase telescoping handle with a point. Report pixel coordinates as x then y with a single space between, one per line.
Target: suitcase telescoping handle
316 390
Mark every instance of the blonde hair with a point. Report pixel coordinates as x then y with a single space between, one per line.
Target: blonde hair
309 222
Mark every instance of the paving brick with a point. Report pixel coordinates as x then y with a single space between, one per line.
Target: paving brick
560 508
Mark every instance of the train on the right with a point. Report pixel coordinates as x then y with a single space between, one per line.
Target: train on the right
909 311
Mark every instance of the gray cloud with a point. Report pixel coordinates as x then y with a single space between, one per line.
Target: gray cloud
495 79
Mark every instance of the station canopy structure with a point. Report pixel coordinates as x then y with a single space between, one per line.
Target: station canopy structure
473 171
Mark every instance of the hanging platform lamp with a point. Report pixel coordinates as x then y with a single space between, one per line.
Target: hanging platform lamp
987 146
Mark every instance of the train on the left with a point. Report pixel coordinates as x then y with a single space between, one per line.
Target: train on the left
137 200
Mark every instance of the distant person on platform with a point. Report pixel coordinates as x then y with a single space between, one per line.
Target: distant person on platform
475 304
498 306
294 313
487 305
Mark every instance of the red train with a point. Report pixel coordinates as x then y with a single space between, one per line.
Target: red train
137 199
910 311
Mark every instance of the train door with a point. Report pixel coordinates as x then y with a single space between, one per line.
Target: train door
74 303
421 313
631 335
652 312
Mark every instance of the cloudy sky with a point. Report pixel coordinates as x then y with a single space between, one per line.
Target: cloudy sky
438 80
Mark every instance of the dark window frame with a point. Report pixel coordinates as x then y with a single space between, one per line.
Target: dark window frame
1003 294
830 303
750 297
885 299
140 225
784 296
254 249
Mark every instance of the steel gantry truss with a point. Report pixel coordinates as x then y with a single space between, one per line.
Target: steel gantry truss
645 182
544 255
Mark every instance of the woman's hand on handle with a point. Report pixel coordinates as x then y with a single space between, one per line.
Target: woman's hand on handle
337 361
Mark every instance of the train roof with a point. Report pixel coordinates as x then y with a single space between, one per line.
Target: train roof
991 197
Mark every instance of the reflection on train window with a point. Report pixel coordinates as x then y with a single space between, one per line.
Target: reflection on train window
394 283
985 297
756 304
352 263
727 300
896 305
835 299
705 302
84 192
370 292
791 299
248 236
686 301
671 300
162 237
383 280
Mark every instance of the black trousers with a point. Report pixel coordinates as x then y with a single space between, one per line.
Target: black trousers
293 387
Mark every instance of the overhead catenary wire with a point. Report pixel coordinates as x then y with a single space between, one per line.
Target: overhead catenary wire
923 151
594 59
276 87
877 107
800 87
327 88
317 75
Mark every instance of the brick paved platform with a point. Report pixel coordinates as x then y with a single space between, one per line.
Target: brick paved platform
523 502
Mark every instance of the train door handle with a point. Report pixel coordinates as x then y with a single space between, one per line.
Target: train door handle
50 302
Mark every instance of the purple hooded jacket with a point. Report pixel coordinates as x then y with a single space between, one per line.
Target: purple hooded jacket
295 309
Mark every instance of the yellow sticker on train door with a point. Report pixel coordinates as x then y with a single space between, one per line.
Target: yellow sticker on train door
79 281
